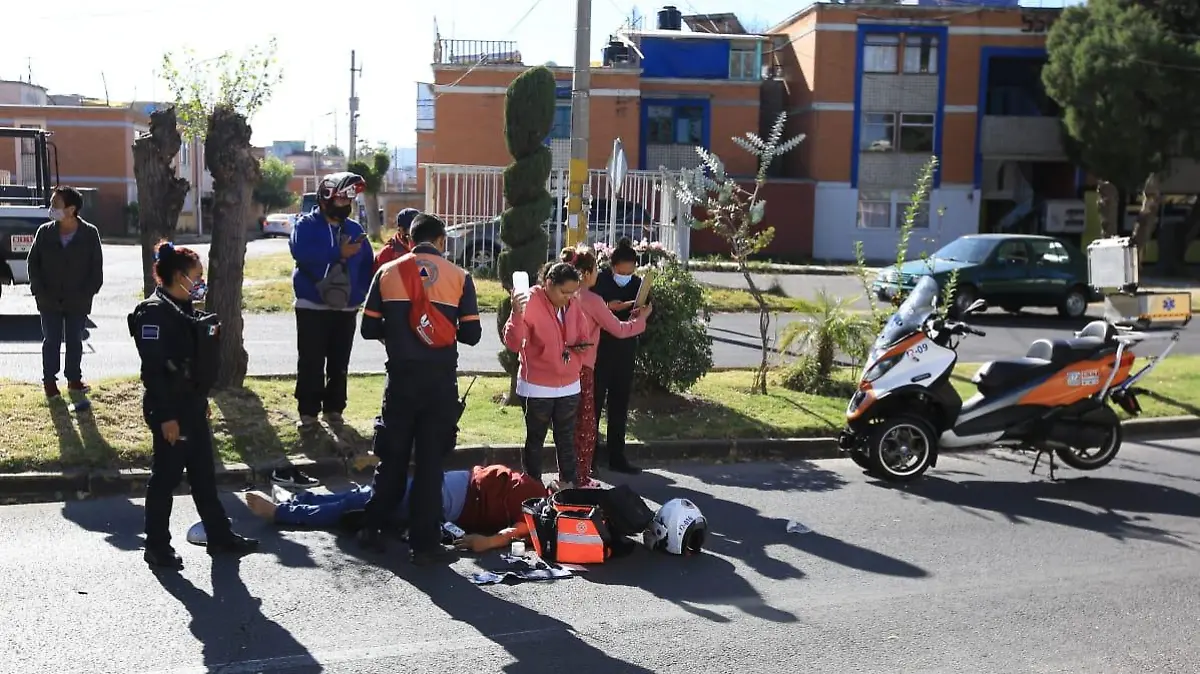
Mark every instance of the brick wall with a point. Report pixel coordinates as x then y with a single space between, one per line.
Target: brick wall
789 210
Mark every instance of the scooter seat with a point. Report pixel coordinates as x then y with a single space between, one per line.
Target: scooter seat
1096 338
1001 376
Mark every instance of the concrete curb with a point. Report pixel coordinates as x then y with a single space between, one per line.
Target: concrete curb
83 484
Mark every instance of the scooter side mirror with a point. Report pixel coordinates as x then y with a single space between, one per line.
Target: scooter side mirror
978 306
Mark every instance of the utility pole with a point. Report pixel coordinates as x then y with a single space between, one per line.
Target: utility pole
581 85
353 108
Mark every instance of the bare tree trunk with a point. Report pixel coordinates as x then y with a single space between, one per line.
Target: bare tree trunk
1108 204
235 172
160 193
764 324
1147 218
374 224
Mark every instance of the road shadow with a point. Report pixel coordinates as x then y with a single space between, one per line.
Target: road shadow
16 328
533 639
1043 500
739 531
797 476
1002 319
230 625
120 520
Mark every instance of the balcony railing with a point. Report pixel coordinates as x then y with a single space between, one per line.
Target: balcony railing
476 52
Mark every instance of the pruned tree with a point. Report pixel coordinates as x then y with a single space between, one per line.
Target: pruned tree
1127 76
374 174
160 191
272 191
333 151
217 98
735 214
528 118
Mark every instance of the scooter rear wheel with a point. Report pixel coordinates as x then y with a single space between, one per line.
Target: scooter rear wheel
901 448
1103 455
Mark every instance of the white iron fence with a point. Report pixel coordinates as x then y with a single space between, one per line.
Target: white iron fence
470 199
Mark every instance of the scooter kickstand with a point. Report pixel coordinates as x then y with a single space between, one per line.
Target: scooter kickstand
1037 459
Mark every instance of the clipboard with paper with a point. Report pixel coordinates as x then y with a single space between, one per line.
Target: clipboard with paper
644 290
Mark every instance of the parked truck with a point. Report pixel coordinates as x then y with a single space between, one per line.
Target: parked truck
24 199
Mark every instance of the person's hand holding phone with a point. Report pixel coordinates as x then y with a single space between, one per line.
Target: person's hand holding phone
618 305
519 300
643 312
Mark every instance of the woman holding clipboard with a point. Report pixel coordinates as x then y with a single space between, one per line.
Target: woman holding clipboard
596 316
618 287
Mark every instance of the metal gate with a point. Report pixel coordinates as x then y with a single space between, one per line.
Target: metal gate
470 200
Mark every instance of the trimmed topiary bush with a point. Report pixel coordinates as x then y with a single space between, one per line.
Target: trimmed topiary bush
528 118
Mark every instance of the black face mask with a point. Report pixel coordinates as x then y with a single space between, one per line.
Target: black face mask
338 212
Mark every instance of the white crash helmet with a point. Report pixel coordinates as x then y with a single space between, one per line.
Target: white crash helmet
196 534
678 528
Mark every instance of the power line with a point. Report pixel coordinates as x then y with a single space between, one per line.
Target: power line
483 57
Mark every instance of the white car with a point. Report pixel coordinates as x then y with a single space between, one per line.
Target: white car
278 224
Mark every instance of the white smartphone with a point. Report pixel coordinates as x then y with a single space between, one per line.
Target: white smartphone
520 282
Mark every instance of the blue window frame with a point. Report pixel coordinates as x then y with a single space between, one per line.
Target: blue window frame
675 124
562 122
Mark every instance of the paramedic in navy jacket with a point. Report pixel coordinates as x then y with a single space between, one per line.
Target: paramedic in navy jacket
321 239
420 399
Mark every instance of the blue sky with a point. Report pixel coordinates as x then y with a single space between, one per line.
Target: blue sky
74 46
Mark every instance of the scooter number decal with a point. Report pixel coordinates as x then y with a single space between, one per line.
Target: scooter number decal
1083 378
917 350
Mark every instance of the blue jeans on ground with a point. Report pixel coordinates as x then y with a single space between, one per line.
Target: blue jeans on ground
309 509
56 327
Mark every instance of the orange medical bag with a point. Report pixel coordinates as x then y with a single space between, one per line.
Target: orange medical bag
567 529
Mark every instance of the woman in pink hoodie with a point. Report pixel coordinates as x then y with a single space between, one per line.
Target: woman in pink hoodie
597 316
547 329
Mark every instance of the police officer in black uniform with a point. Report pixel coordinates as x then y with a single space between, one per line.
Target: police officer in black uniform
178 346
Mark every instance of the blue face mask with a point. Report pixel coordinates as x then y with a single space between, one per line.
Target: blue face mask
622 280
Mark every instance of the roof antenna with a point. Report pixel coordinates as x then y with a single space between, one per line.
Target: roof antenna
29 65
104 81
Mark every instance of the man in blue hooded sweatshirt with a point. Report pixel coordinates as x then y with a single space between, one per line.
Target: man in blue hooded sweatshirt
334 264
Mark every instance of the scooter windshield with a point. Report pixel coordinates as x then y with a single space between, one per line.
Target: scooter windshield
908 318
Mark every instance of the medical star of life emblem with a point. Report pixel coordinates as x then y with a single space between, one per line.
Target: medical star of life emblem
580 527
1169 304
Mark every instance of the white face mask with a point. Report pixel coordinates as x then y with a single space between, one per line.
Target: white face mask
622 280
56 214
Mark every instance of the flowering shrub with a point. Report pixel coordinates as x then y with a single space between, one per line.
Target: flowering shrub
650 253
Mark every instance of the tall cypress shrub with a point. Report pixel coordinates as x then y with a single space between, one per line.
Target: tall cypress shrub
528 118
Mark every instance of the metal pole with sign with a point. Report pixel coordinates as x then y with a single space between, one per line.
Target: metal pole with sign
617 167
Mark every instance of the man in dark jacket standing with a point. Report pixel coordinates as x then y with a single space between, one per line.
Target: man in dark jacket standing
66 270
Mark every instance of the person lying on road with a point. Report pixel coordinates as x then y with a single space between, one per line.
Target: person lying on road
485 502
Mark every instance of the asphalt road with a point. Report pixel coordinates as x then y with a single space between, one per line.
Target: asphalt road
271 339
980 567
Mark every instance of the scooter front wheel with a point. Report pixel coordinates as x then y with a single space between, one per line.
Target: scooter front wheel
901 448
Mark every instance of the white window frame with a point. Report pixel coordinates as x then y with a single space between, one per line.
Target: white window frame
881 54
916 120
869 215
25 147
742 64
882 119
912 55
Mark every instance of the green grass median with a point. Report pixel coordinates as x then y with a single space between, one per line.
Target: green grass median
257 423
268 289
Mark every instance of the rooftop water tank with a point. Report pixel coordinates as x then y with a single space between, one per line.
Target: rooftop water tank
670 18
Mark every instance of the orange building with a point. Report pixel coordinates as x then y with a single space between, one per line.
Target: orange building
92 146
879 90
